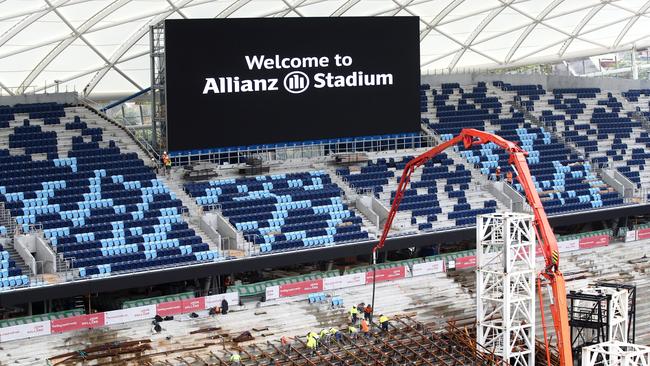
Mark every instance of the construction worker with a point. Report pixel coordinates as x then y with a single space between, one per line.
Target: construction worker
285 344
337 335
367 313
352 331
365 329
509 177
323 336
311 344
167 162
354 313
497 174
235 359
315 336
383 321
224 307
360 307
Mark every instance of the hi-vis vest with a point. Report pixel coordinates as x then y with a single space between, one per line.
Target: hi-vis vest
311 342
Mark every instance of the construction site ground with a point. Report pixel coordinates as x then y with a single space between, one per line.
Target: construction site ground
424 304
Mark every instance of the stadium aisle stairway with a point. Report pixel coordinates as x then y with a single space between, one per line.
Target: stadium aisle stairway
283 211
99 207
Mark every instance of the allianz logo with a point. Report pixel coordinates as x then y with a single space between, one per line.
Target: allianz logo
295 82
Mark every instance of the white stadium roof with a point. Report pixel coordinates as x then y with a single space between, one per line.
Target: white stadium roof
103 44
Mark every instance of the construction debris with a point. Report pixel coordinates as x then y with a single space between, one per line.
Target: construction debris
205 330
101 351
244 337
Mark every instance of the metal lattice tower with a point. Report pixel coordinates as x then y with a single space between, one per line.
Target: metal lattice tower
600 313
616 354
505 286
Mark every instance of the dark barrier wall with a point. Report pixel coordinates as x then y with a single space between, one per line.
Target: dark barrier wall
233 82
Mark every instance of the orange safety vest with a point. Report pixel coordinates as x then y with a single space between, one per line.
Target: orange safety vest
364 326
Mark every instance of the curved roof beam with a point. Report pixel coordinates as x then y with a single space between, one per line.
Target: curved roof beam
630 23
29 20
468 43
232 8
587 18
439 17
561 31
284 12
3 87
292 7
135 37
440 57
126 46
398 7
344 8
522 37
76 33
176 9
28 12
97 28
88 72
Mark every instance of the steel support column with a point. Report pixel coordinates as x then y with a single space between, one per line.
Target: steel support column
506 286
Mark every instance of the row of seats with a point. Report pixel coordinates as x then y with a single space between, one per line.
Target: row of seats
281 210
552 164
99 207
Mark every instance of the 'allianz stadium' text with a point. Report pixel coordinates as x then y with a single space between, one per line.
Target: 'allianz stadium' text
321 80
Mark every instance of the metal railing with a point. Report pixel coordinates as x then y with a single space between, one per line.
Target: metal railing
309 149
142 143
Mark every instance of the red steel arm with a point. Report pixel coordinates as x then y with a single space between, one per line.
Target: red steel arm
469 138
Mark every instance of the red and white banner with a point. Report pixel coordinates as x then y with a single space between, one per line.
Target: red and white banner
215 300
387 274
272 292
425 268
301 288
568 245
77 322
594 241
193 305
349 280
23 331
631 235
466 262
169 308
642 234
129 315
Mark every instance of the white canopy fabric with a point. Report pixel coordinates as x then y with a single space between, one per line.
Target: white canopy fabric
102 45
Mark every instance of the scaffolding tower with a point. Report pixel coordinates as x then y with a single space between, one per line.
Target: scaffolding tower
158 87
616 354
601 313
505 286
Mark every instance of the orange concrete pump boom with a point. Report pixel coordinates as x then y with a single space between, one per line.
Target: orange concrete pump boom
546 238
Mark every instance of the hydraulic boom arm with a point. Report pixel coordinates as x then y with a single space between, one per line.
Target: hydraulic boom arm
469 138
